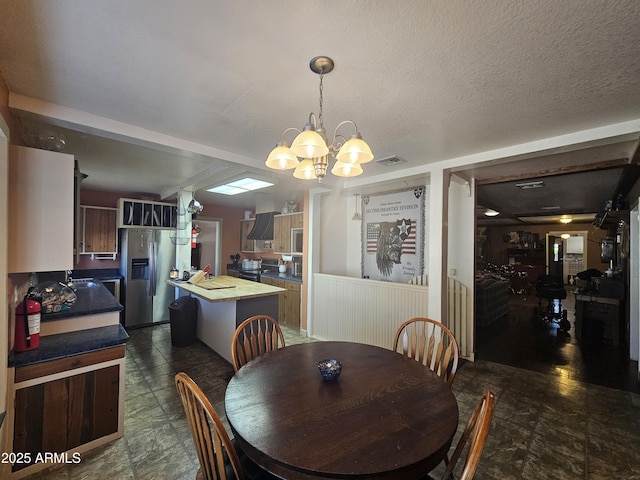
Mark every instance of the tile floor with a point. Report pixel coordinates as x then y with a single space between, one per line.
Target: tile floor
545 426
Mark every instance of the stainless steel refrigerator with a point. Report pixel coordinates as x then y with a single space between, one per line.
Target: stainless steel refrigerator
146 258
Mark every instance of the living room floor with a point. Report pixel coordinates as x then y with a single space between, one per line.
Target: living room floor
545 425
519 341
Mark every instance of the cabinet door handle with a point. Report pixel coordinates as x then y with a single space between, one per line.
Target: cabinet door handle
75 363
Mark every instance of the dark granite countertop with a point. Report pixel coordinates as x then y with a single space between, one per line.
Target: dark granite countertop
90 301
62 345
284 276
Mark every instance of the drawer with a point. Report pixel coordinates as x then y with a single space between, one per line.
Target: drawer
277 282
42 369
292 286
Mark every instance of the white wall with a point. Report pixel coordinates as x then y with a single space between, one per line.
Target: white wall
461 252
209 238
334 223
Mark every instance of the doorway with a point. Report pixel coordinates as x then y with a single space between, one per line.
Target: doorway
210 242
573 248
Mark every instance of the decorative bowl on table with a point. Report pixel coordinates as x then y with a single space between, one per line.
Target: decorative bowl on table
330 369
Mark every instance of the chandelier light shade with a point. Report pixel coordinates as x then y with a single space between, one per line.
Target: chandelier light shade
355 151
342 169
281 157
310 150
305 170
309 144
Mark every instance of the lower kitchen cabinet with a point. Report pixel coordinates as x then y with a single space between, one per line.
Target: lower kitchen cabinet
289 301
292 304
67 405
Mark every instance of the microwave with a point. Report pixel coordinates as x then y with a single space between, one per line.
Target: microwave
296 240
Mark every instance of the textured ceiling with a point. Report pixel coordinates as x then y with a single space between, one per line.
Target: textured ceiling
210 85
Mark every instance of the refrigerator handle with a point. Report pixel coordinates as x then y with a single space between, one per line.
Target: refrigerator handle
152 268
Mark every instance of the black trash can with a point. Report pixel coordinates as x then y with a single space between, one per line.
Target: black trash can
183 313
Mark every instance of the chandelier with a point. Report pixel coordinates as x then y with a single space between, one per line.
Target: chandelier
309 153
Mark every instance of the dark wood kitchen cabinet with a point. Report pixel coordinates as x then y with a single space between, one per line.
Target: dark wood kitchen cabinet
66 404
99 231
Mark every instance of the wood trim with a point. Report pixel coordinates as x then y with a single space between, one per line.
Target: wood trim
70 363
555 171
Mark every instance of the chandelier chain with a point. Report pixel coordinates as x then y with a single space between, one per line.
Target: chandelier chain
321 98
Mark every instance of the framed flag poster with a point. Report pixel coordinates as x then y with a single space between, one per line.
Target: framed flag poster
393 235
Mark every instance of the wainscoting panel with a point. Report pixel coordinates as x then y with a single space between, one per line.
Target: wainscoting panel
365 311
459 313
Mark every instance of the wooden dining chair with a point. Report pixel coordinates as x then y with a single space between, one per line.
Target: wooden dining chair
430 343
218 456
253 337
476 432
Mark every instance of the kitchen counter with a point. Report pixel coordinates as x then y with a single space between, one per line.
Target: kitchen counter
283 276
90 301
288 276
53 347
239 289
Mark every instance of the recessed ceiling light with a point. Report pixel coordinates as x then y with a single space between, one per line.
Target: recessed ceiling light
240 186
527 185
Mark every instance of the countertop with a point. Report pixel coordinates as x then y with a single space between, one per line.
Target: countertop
53 347
288 276
241 289
99 273
90 301
283 276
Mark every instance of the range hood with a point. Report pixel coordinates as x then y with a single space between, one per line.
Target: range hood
263 227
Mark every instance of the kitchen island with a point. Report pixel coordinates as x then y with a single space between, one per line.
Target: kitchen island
224 303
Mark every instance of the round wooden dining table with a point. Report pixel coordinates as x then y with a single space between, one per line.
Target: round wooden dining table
386 416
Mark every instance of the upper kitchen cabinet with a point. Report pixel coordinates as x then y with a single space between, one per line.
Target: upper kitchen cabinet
282 225
148 214
41 210
99 231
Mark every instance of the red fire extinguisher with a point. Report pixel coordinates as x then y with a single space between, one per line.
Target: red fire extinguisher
194 236
27 323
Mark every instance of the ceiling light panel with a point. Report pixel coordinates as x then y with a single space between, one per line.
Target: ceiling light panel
240 186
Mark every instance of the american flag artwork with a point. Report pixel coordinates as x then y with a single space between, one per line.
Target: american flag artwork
393 234
407 232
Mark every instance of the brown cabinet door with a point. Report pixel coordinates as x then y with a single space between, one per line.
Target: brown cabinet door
100 230
282 234
297 220
292 304
62 414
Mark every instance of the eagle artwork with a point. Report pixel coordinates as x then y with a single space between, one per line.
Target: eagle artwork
389 245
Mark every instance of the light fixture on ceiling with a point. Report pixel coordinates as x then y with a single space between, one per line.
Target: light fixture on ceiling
356 216
489 212
528 185
243 185
312 146
565 219
565 236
